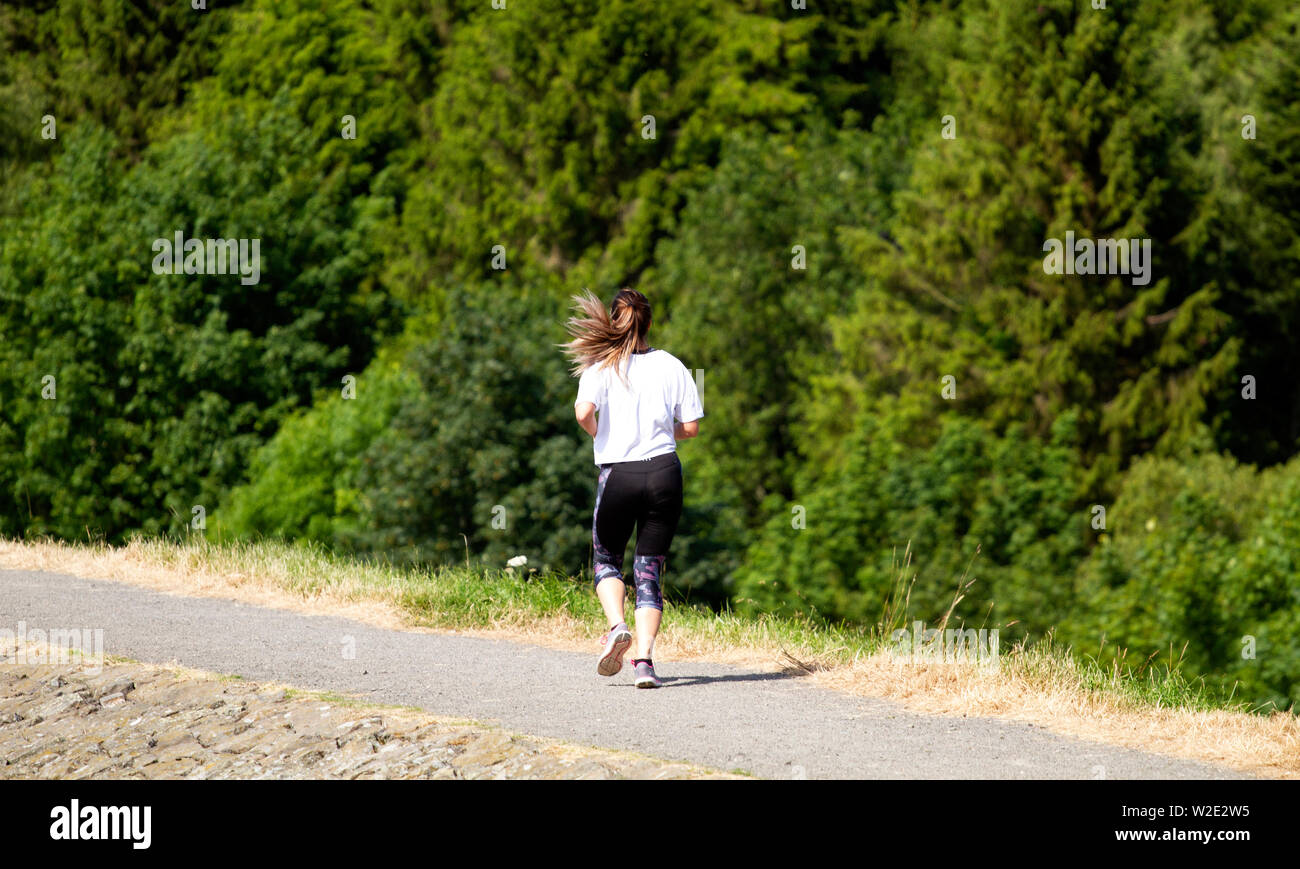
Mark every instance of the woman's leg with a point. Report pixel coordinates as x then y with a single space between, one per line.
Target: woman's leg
647 629
611 526
612 592
656 527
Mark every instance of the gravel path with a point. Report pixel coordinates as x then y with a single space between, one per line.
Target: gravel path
724 717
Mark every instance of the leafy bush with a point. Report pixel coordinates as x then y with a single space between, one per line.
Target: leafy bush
1199 556
487 447
302 483
1011 496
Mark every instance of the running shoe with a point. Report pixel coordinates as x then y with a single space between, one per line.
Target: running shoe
644 670
615 644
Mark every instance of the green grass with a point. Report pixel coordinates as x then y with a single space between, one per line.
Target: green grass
337 699
461 597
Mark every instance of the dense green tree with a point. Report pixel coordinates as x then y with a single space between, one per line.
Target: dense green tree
171 379
1199 563
744 291
1085 133
119 63
485 456
837 550
303 484
542 145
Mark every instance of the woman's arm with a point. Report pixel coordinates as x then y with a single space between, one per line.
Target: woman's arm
585 411
685 430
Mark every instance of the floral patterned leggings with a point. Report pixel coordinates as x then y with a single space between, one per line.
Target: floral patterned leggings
647 495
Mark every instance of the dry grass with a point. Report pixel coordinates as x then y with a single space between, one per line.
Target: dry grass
1042 687
197 573
1257 744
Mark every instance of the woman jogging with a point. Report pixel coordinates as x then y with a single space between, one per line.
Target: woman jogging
636 402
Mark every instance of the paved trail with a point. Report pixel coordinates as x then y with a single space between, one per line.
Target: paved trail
729 718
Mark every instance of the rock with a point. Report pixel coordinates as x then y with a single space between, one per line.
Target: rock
171 738
491 748
120 686
185 726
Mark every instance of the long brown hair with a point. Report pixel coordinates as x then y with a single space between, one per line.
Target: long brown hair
606 337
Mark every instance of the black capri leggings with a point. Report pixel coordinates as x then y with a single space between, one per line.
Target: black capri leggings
646 494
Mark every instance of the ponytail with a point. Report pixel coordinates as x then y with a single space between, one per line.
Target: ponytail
603 338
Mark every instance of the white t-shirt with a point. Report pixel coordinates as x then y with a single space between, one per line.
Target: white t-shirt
637 422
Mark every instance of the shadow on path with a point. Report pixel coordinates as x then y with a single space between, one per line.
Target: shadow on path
687 681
